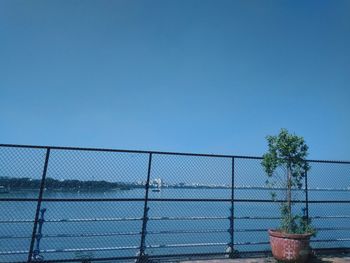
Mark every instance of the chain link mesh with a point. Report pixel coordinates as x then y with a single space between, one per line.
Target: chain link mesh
95 204
20 168
330 182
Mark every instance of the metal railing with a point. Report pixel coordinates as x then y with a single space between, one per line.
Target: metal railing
164 204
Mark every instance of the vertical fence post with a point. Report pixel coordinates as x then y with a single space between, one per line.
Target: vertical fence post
142 255
38 236
38 206
231 249
306 198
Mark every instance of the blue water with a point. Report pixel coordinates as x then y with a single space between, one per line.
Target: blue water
98 210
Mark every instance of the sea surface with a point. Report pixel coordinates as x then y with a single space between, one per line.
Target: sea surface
112 229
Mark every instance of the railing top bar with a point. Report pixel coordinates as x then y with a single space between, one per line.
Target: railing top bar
119 150
148 152
168 200
328 161
119 200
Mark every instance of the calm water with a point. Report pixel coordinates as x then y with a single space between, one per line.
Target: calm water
99 210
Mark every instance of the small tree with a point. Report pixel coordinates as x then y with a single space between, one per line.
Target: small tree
288 151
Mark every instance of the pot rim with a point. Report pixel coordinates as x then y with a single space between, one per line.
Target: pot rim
278 233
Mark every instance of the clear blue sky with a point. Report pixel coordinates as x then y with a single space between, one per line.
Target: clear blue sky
189 76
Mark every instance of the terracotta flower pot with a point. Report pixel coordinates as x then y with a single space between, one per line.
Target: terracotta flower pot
290 247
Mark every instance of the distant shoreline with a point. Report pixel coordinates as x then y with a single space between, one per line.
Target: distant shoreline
8 184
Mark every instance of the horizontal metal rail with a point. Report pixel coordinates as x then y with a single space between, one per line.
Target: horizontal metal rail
330 240
106 219
251 230
73 220
135 233
148 152
332 228
75 235
251 243
153 246
13 252
168 200
73 199
190 218
67 250
188 245
187 231
11 221
318 229
124 151
14 237
312 217
257 217
93 234
160 233
121 200
330 217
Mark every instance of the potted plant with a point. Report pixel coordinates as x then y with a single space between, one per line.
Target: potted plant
286 157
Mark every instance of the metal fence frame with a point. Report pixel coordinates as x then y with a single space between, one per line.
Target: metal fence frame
142 256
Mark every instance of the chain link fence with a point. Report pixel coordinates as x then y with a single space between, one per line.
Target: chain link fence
64 204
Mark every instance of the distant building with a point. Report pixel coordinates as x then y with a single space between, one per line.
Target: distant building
158 182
